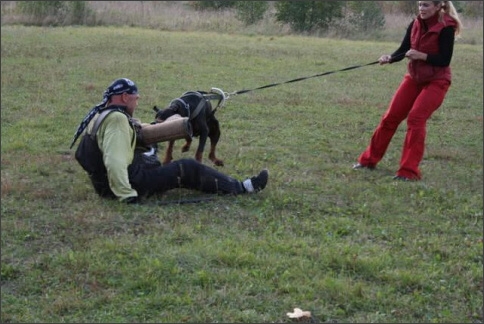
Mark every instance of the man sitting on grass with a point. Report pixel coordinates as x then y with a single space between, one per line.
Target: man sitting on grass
119 170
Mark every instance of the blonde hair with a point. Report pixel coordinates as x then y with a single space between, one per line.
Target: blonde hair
448 8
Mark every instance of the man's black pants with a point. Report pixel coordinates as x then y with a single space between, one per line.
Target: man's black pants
184 173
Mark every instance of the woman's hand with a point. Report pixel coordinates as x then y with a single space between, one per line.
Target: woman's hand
416 55
384 59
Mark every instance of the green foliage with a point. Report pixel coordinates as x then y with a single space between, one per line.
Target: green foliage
304 16
56 12
212 5
251 12
460 6
9 272
42 8
78 11
473 9
407 7
411 7
366 15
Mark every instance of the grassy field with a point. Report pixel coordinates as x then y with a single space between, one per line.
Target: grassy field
348 246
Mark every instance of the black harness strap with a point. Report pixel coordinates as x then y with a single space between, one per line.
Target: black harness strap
199 108
200 105
99 121
185 105
203 100
102 115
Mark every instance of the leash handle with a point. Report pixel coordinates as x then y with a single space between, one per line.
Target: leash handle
223 96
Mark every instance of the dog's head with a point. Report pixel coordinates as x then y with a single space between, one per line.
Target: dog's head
176 107
164 114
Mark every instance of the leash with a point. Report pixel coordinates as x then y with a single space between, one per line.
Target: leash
222 96
395 58
226 95
301 79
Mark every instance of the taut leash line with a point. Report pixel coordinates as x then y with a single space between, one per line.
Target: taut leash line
303 78
222 96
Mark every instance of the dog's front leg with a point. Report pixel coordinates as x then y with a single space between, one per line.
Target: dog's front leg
186 147
169 152
213 158
214 135
201 144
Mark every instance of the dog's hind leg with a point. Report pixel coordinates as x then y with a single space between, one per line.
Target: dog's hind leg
169 152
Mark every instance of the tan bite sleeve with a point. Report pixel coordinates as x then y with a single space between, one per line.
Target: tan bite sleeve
175 127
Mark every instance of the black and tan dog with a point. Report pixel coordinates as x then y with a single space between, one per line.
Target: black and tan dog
197 107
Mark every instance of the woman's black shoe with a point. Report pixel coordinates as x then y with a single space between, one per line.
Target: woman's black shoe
358 166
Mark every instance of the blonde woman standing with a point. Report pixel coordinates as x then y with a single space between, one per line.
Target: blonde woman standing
428 45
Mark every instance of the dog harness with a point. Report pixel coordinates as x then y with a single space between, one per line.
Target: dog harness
203 100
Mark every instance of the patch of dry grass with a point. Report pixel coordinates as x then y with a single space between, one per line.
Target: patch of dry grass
180 16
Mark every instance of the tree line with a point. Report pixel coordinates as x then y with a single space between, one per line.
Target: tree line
301 16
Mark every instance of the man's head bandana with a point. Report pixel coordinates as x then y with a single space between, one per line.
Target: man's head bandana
118 86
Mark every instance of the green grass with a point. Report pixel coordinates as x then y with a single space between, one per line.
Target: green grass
348 246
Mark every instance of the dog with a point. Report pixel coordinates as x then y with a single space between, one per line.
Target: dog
198 109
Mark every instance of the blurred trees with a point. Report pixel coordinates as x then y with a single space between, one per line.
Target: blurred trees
304 16
301 16
56 12
250 12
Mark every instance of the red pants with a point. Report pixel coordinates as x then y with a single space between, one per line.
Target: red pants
416 103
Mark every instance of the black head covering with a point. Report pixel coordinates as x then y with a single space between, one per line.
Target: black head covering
118 86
